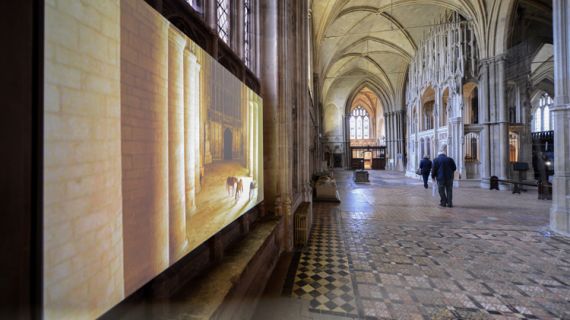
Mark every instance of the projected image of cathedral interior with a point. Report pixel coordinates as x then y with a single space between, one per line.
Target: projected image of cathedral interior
286 159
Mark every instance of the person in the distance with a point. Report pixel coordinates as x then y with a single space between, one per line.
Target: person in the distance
443 171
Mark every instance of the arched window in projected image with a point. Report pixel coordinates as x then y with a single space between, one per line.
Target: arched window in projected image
359 124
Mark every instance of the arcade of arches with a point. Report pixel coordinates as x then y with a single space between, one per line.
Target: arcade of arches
344 84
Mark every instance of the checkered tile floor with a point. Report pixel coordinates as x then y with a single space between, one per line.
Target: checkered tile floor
425 263
323 275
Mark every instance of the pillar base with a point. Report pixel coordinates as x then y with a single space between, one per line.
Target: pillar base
485 183
560 221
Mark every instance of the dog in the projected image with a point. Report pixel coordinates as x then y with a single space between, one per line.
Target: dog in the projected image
252 187
231 184
239 189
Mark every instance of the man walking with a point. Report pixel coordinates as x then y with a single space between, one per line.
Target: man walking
425 168
443 170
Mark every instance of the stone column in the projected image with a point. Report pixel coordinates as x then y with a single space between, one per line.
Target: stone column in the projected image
189 114
176 157
192 129
196 123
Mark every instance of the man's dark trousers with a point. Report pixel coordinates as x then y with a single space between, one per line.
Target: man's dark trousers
425 176
445 189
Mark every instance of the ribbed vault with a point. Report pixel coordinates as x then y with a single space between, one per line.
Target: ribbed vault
373 41
381 36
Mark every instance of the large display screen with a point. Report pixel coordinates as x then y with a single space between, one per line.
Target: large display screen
151 147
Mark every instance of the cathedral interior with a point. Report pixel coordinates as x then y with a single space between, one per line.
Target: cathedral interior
259 159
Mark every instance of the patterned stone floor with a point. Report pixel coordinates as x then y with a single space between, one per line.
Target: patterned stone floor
389 252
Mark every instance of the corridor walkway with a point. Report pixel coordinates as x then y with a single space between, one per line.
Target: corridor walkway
388 251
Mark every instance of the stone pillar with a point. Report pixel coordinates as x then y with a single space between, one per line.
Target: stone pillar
418 156
503 119
560 211
525 119
455 133
176 182
437 120
269 79
401 139
392 140
484 120
387 128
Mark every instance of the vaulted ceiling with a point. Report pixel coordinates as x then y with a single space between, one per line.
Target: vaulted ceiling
373 41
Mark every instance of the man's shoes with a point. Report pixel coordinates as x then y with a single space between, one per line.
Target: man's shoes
425 186
449 205
442 205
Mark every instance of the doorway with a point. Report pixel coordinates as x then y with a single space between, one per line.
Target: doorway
368 160
228 140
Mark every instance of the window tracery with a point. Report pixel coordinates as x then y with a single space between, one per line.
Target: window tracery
542 116
247 36
223 19
359 124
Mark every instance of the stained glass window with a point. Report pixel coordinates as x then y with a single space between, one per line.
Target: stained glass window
359 124
366 128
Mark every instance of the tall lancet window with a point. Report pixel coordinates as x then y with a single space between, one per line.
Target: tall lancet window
247 32
542 114
352 128
366 128
358 127
359 124
223 19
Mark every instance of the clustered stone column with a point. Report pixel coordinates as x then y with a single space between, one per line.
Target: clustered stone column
560 211
484 120
503 119
493 115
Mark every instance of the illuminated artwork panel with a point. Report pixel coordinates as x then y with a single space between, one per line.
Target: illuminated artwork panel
151 148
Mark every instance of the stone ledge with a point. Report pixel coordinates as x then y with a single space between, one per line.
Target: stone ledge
223 291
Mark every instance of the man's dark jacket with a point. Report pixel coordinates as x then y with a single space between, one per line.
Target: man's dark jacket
425 166
443 168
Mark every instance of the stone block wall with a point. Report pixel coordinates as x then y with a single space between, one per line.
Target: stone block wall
144 122
83 244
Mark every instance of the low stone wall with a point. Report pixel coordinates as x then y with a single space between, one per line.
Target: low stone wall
221 279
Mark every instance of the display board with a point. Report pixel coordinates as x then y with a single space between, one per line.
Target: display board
151 148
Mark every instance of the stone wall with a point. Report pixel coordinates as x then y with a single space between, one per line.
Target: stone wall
144 123
83 244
